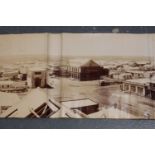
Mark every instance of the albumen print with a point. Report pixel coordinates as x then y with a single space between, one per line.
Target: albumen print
77 75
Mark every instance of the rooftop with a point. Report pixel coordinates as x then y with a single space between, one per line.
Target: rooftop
135 71
141 81
83 62
79 103
32 100
8 82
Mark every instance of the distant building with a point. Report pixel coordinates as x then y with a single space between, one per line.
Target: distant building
141 74
121 76
36 78
131 75
60 71
85 71
13 86
10 74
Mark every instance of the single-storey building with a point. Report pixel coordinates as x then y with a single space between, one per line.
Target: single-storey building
13 86
136 86
10 74
143 87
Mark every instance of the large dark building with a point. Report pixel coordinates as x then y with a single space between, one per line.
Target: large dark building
152 90
86 71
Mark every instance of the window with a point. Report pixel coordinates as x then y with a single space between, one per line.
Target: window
37 73
152 84
140 91
133 88
126 87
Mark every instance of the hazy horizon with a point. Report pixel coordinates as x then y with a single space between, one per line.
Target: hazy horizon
78 44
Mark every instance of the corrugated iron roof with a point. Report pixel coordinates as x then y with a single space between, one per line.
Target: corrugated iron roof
83 62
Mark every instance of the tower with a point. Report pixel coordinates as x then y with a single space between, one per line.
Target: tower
36 78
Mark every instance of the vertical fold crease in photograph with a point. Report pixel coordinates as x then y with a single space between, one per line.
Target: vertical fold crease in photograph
77 75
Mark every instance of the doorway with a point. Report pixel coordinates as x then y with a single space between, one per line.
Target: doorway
37 82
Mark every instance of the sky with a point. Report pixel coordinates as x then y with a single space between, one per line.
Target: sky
23 44
113 44
78 44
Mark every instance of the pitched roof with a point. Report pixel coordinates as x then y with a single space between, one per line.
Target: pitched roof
142 81
83 62
91 63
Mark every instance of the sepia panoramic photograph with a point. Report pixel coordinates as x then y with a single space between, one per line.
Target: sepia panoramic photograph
77 75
